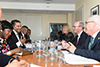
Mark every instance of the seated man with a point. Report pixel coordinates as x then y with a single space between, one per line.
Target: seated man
23 32
4 60
91 48
14 41
81 36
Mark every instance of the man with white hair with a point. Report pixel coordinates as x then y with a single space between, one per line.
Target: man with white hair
91 48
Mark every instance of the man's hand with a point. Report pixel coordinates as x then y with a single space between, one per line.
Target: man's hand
22 40
71 48
20 63
65 45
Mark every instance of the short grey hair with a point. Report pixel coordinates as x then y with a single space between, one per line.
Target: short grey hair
81 24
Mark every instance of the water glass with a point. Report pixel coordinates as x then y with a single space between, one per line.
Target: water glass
39 49
52 49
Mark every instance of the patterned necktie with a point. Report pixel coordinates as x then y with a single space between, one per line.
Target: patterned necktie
90 43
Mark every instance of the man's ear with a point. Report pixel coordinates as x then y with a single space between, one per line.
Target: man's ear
94 24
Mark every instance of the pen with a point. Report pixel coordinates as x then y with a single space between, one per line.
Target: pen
17 58
87 66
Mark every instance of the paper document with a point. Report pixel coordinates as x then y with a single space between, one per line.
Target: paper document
33 65
19 53
96 65
76 59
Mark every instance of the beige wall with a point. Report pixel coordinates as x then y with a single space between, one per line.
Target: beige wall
88 4
52 18
70 19
46 19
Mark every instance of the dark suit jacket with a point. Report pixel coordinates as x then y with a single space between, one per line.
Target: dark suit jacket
81 40
12 40
4 59
94 53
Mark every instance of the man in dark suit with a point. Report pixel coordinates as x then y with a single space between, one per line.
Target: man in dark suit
91 48
81 36
14 41
23 32
8 61
4 59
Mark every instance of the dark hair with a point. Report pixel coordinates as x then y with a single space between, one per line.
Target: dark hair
60 33
29 29
24 27
5 25
14 21
28 41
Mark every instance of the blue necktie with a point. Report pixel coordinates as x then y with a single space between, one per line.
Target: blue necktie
90 43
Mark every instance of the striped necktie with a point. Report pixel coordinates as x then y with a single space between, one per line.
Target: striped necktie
90 43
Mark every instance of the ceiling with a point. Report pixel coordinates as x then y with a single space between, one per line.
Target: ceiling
52 6
44 1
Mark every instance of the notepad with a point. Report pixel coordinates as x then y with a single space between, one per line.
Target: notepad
26 51
76 59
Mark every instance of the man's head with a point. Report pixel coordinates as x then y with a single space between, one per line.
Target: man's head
92 25
29 32
16 25
24 29
78 27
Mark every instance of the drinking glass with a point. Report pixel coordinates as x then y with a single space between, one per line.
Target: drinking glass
39 49
52 49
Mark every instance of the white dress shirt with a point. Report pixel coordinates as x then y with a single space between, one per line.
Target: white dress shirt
18 43
79 36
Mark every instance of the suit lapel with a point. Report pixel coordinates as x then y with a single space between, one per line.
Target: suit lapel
96 40
87 42
82 34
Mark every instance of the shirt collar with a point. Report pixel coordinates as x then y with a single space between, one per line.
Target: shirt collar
22 34
80 34
15 32
94 35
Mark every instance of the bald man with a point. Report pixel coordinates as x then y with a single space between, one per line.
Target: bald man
91 48
81 36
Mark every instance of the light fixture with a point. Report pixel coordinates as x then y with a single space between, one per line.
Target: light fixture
48 1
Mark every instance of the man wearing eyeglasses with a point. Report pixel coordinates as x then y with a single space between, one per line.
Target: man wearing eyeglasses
91 48
81 36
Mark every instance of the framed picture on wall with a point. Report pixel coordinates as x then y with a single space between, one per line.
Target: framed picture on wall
95 10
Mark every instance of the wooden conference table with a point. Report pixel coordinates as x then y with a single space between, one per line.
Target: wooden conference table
32 59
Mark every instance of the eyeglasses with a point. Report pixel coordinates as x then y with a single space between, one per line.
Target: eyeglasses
89 22
75 26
